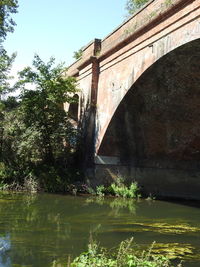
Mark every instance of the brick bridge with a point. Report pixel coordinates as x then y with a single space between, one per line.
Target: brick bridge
139 100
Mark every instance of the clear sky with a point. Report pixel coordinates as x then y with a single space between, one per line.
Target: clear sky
60 27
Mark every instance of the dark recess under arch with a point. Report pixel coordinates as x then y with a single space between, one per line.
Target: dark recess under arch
157 124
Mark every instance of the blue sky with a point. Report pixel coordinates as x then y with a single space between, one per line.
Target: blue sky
60 27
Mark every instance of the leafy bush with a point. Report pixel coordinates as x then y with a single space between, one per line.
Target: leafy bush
100 190
119 189
125 256
36 134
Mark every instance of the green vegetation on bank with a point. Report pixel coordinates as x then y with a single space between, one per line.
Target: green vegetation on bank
125 256
38 140
119 189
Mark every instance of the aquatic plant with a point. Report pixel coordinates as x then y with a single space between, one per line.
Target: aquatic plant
125 256
175 250
91 191
120 189
31 184
150 197
100 190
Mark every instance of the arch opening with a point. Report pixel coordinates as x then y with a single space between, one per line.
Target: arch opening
157 123
73 108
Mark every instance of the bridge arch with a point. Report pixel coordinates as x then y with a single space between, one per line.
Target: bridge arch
140 87
154 134
157 121
73 109
123 68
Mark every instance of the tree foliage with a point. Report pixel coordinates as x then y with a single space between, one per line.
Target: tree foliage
36 136
38 132
43 106
133 5
78 54
5 67
7 7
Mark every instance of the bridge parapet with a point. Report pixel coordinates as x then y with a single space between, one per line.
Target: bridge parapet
153 12
89 51
147 17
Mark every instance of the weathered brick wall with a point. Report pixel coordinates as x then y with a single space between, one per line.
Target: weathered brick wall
140 100
121 69
157 123
108 69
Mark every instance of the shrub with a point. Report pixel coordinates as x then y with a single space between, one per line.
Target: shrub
125 256
100 190
119 189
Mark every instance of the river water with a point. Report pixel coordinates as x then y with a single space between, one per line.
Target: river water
44 229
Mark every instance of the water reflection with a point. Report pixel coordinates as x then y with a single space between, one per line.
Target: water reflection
45 229
5 246
117 205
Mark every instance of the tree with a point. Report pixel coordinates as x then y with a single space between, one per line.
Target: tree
7 7
43 106
38 132
78 54
133 5
5 67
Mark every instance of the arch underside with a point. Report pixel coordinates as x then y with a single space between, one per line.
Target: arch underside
73 108
157 124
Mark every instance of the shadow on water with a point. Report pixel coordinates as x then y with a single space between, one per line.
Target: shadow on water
189 203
